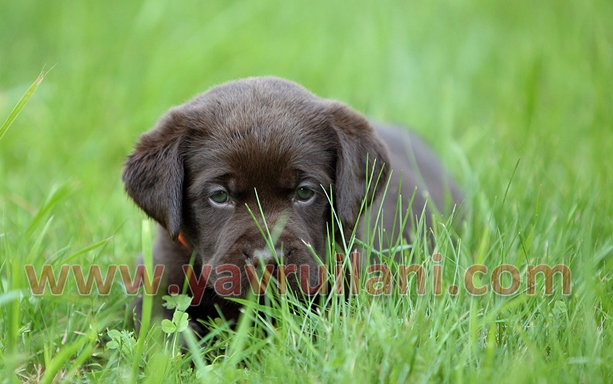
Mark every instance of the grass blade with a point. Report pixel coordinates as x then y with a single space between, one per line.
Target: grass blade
8 297
21 104
147 299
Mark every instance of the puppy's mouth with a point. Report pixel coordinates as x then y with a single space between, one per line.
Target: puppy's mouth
261 271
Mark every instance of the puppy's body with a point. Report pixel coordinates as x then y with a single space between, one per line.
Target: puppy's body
266 145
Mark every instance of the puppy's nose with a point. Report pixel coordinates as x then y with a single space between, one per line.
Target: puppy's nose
264 256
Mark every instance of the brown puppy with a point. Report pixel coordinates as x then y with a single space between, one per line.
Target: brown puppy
268 143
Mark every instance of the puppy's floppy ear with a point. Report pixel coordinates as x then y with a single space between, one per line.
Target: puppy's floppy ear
361 156
153 174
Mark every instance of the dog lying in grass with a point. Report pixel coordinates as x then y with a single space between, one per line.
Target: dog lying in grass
224 169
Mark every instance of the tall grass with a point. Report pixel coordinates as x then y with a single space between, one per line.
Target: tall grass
515 97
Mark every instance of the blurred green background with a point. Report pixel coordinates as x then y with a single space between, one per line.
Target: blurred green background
515 96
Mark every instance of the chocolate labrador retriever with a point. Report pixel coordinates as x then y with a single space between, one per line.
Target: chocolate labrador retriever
265 153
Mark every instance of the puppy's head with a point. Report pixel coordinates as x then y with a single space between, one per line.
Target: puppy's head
260 145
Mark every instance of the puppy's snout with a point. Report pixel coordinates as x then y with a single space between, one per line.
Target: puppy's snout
262 257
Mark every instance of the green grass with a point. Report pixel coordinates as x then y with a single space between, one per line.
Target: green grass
516 97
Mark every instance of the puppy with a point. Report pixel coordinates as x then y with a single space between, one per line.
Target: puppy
264 152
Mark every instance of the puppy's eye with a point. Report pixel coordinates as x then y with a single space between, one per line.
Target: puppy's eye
304 194
220 197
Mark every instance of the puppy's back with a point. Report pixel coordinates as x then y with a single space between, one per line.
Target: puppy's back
421 182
